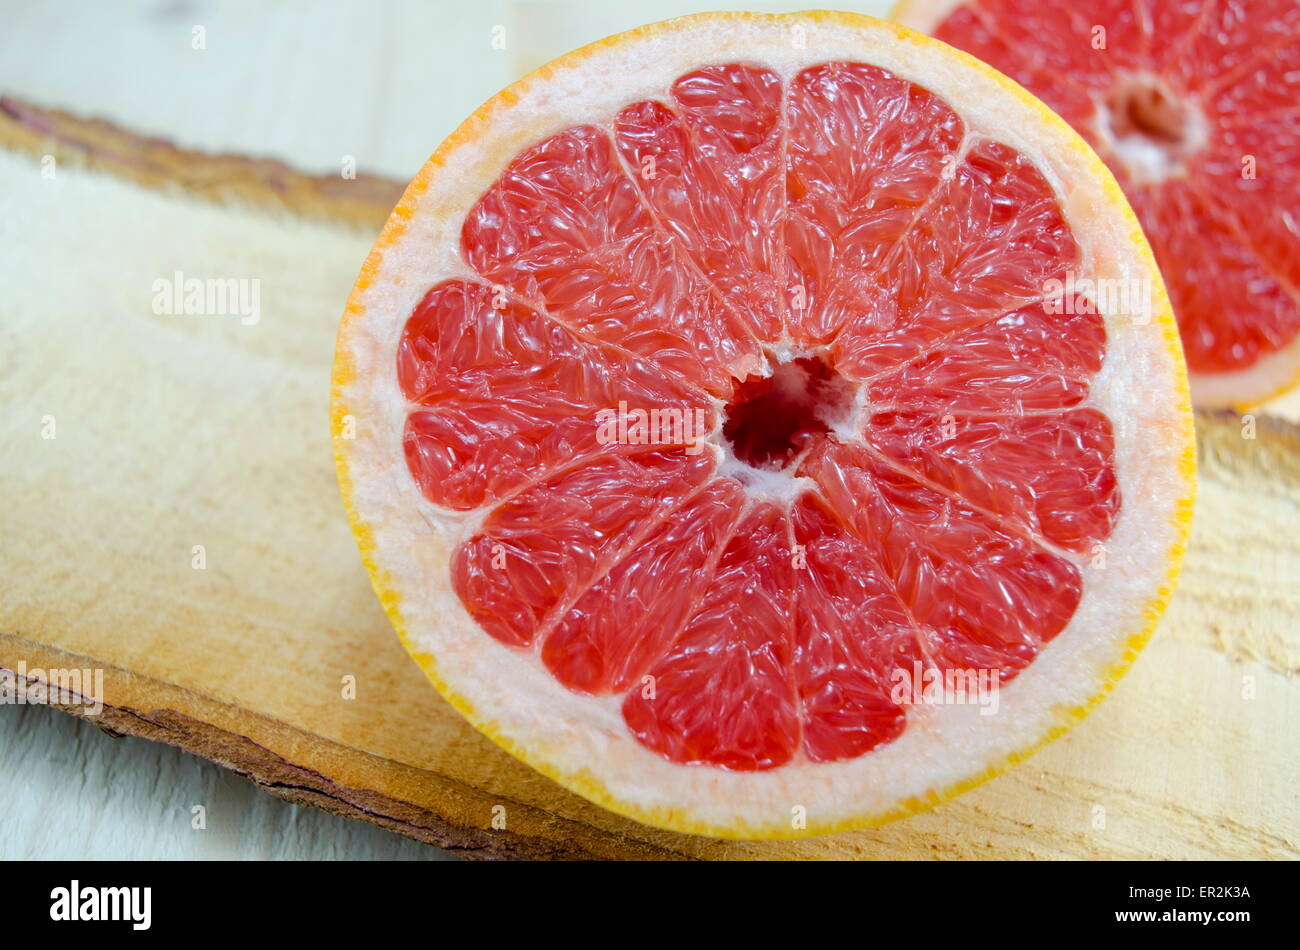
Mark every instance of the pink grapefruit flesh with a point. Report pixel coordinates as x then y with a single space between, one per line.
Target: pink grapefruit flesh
831 263
1196 109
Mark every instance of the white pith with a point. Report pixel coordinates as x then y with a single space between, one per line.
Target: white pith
1148 162
782 487
582 741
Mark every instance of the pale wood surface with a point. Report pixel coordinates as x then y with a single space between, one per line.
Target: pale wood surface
173 433
305 81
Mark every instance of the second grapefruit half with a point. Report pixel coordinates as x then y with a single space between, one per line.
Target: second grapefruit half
1196 109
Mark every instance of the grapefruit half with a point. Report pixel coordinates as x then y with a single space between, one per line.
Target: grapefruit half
717 390
1196 109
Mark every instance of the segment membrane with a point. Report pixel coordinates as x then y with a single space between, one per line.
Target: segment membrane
505 395
710 168
866 151
565 225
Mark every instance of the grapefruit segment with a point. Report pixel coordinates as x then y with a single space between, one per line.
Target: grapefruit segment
709 167
1021 21
1171 27
865 151
1268 229
843 674
538 550
722 695
980 37
1233 309
1259 96
629 618
1051 475
1224 39
566 226
839 257
981 597
1033 359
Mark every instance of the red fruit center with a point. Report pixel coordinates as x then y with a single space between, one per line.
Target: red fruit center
771 419
1153 130
1148 109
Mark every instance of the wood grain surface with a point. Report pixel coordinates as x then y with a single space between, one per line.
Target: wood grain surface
178 431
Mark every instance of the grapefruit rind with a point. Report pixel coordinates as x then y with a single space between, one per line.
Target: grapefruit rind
1271 376
580 742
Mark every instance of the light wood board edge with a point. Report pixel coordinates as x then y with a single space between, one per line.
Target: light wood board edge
361 203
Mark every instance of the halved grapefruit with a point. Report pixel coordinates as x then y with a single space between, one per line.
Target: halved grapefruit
1196 109
719 379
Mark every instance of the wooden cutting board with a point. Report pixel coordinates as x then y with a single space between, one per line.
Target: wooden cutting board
172 432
